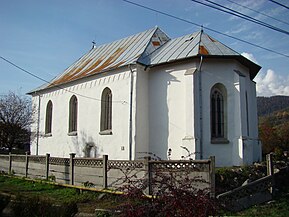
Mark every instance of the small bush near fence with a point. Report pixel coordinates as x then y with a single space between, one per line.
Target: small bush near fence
232 177
176 195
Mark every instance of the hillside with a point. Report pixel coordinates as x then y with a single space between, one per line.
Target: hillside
269 105
274 123
273 109
275 118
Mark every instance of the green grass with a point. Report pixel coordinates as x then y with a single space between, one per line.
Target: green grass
27 190
17 186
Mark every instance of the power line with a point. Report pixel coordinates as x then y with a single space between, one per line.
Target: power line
258 12
246 17
240 15
279 4
53 85
24 70
210 29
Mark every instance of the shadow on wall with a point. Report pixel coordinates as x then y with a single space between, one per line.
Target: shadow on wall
159 111
84 146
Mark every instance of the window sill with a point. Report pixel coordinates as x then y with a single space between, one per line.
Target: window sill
74 133
105 132
48 135
220 141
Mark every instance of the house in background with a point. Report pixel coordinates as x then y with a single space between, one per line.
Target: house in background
147 94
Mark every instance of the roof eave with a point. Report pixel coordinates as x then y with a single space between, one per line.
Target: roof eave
59 86
253 67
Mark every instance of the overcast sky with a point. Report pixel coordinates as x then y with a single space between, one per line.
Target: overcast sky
45 37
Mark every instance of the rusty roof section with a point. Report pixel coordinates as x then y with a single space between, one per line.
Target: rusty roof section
112 55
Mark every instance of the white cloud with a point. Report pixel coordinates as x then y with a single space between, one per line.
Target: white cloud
250 57
269 83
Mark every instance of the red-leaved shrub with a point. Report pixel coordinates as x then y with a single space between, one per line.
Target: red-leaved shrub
173 195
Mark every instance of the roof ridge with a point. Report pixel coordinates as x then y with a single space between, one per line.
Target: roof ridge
215 40
144 54
126 37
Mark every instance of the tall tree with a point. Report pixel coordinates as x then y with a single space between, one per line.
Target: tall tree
15 119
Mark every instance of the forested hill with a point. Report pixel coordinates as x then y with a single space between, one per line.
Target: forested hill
269 105
274 123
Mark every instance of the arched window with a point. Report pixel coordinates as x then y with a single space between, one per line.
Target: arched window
106 110
48 119
72 114
218 112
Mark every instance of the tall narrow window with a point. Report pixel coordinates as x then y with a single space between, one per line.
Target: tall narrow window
106 111
218 116
72 114
48 119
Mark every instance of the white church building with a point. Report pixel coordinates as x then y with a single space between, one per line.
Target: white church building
148 95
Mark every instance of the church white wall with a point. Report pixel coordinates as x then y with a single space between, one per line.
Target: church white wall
253 118
239 150
249 135
61 144
174 111
213 72
168 90
140 107
253 137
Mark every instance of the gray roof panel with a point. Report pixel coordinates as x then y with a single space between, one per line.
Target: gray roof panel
192 49
188 46
176 50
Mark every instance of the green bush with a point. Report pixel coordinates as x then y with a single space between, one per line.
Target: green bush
233 177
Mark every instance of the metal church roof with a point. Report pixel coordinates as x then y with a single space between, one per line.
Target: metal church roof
187 46
150 48
194 45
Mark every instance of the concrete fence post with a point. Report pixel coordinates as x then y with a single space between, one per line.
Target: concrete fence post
147 167
104 170
26 164
10 164
212 176
47 166
270 171
71 168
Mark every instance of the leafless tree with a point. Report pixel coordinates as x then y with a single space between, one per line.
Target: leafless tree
15 119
